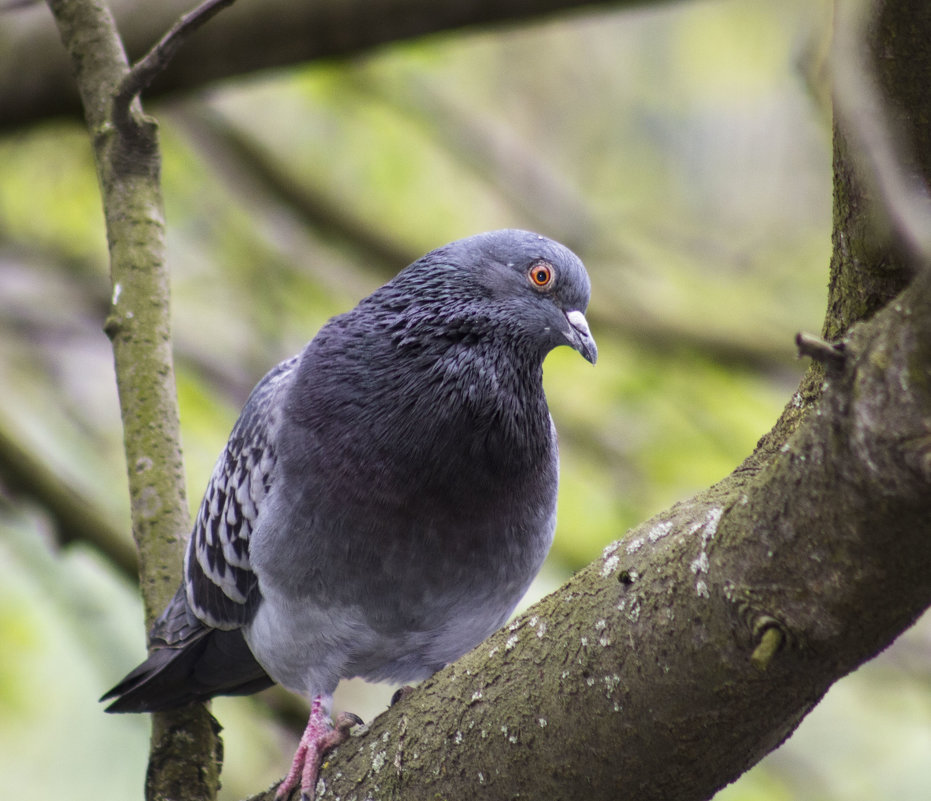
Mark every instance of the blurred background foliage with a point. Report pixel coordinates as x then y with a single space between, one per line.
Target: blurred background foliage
683 151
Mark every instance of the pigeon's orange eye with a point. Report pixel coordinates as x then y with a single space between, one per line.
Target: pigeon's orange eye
541 274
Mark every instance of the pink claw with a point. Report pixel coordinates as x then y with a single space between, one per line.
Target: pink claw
319 737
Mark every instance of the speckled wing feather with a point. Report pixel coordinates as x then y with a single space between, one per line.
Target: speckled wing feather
220 585
197 646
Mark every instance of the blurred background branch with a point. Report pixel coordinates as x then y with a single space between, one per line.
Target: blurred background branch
251 37
75 517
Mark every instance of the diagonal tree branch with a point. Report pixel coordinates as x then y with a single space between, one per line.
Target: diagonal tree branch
150 66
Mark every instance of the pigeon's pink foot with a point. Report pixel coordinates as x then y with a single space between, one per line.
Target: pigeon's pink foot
318 738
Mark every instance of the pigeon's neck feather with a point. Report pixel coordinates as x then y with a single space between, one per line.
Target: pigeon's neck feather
432 390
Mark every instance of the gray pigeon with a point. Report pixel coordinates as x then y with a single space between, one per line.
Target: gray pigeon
385 498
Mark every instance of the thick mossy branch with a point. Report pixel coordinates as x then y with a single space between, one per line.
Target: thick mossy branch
886 154
873 244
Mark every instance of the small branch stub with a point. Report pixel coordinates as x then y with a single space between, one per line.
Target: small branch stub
824 352
769 639
154 62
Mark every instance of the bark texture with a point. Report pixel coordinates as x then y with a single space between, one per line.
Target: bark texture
868 266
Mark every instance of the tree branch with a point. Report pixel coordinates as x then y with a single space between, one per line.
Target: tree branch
885 154
877 136
157 59
251 37
185 748
819 350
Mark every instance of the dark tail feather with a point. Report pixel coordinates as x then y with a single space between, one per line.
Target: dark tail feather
189 663
158 683
216 663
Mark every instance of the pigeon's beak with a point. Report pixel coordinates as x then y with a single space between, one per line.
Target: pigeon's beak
580 337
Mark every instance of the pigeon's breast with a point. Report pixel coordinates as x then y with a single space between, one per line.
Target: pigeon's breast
415 526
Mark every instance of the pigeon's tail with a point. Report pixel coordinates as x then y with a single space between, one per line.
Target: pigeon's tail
216 663
189 662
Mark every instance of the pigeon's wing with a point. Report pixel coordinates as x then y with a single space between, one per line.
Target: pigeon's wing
197 645
220 586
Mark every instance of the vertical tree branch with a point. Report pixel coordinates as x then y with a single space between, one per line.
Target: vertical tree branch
882 155
185 756
885 153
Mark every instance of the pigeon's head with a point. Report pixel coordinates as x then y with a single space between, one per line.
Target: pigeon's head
511 283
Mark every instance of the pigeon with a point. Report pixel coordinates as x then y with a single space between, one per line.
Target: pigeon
386 496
